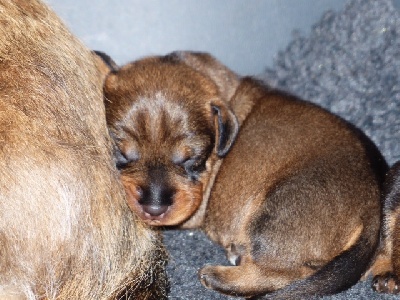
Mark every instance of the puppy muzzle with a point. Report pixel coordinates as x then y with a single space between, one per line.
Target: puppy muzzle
159 203
155 200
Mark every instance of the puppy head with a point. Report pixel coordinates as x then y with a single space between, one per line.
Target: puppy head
166 119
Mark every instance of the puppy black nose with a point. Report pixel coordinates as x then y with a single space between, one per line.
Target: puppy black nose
155 210
155 200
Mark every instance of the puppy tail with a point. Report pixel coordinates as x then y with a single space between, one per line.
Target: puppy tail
336 276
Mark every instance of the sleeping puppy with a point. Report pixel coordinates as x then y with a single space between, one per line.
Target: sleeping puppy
288 189
386 267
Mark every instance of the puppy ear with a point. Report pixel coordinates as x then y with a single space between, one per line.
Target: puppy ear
104 63
227 128
226 80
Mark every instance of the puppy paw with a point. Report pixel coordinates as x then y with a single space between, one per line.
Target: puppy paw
209 277
386 283
218 278
237 281
244 280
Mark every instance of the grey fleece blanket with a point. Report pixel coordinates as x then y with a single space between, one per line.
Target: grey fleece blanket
349 64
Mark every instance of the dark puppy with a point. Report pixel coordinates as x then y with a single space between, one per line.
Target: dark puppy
387 264
295 202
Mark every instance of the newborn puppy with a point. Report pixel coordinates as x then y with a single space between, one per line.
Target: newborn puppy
288 189
168 122
387 264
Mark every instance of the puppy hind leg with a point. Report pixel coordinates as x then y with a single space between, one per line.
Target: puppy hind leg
245 280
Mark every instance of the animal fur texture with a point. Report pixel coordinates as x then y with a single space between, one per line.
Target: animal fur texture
65 229
290 190
386 267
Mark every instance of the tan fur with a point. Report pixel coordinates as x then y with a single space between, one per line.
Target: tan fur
65 229
386 267
136 131
327 174
295 198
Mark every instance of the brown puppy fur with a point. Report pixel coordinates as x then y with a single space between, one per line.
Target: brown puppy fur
295 202
65 229
165 130
386 267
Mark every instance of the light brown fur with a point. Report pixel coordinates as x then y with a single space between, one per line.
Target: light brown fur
289 190
65 229
305 196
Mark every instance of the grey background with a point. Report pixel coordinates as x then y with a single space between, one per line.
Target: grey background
243 34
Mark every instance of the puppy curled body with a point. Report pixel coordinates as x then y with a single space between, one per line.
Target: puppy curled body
65 229
288 189
386 267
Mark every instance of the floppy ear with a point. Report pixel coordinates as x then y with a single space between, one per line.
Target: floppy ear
104 63
227 128
225 79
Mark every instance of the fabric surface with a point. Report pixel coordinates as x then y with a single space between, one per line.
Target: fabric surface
349 64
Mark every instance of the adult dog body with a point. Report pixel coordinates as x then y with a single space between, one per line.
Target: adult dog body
293 195
65 229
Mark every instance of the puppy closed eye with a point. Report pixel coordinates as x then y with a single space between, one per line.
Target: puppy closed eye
124 159
191 164
196 164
